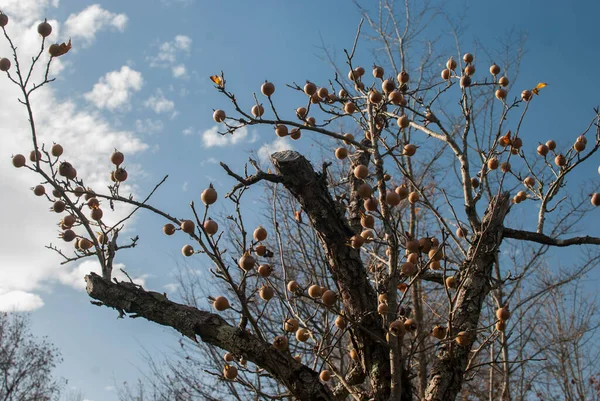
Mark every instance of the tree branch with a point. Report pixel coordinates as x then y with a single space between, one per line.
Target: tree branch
546 240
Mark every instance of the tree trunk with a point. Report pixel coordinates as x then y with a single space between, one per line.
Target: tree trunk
448 368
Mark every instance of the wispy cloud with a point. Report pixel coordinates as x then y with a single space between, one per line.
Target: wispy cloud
212 138
113 91
169 53
86 24
278 145
160 104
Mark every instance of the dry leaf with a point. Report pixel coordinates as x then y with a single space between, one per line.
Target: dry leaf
217 80
539 86
63 48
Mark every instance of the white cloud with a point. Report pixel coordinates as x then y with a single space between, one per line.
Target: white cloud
27 267
278 145
211 137
27 11
168 53
179 71
185 186
75 276
113 91
171 287
148 126
85 25
188 131
210 160
19 301
159 103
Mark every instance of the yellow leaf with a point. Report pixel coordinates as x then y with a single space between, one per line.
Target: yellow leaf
217 80
539 86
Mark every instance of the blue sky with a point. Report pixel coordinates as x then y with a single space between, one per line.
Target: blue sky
137 79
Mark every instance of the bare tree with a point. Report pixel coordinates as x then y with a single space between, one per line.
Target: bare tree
26 362
382 272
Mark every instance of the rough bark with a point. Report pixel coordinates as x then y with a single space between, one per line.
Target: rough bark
302 381
345 265
448 368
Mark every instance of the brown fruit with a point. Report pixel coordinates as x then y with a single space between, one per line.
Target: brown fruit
382 298
410 149
267 88
291 325
260 234
93 203
382 309
90 194
35 155
266 292
364 190
403 122
265 270
450 282
58 206
413 197
315 291
211 227
375 97
529 182
69 220
246 262
468 58
463 338
325 375
361 171
96 214
64 169
302 334
439 332
595 199
3 19
280 343
342 94
357 241
209 196
526 95
54 50
413 258
378 72
403 77
310 88
19 161
435 265
402 190
465 81
503 81
4 64
410 325
187 226
260 250
349 137
293 286
579 146
500 326
44 29
295 134
281 130
451 64
340 322
117 158
349 107
388 87
230 372
396 98
329 298
56 150
221 303
501 94
494 69
436 253
396 328
315 99
219 115
409 269
371 204
392 198
85 244
102 238
39 190
505 167
359 71
503 314
474 182
120 174
322 93
470 70
368 235
560 160
228 357
367 221
68 235
493 163
522 195
542 150
551 145
402 287
187 250
311 121
461 232
341 153
258 110
446 74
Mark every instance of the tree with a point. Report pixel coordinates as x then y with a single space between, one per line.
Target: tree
365 258
26 362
